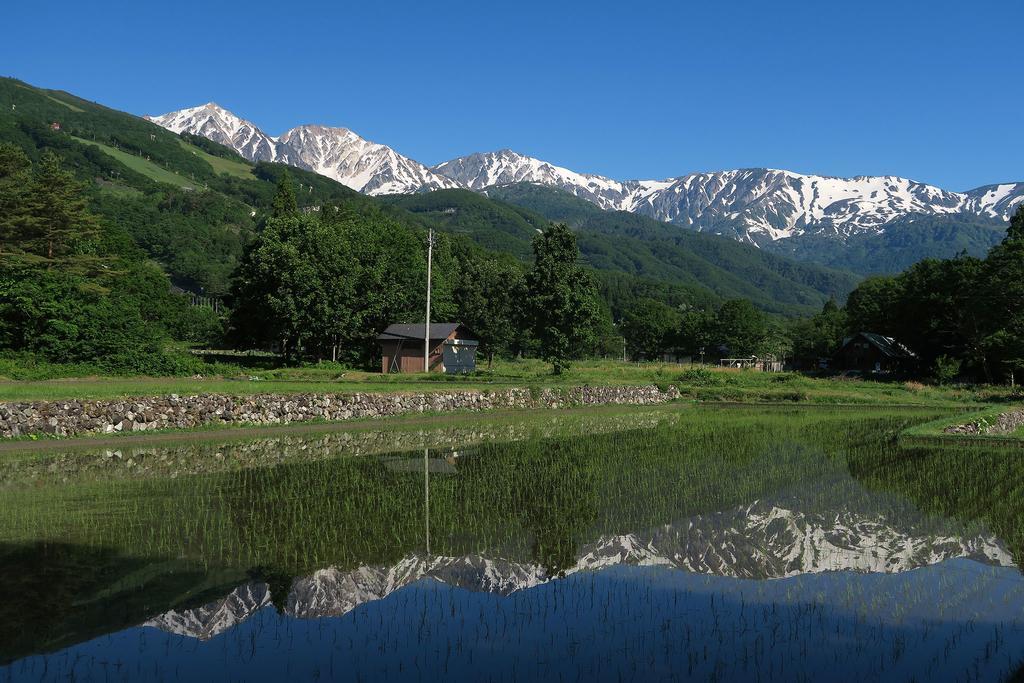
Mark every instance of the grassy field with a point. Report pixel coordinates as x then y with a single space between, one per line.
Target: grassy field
695 383
146 168
220 164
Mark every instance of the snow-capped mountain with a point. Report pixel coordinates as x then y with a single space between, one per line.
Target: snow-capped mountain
480 171
762 540
218 124
751 204
337 153
757 205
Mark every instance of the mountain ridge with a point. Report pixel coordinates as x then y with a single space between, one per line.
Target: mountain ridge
760 206
332 151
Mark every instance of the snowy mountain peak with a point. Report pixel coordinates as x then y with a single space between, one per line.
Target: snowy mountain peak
756 205
504 167
212 121
753 204
337 153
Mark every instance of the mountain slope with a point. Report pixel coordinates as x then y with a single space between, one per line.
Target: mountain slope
996 201
617 240
198 226
221 126
765 207
337 153
904 242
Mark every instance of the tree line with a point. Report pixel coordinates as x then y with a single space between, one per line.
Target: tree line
963 317
322 284
77 288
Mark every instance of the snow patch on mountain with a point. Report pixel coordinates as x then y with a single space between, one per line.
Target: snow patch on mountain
996 201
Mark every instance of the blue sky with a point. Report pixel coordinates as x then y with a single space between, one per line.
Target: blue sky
928 90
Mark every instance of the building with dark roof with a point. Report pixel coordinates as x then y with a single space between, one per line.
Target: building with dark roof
874 353
452 348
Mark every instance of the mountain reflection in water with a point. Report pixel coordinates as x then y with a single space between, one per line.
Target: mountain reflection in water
950 621
672 551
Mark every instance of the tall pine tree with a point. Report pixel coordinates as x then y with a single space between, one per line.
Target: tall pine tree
56 223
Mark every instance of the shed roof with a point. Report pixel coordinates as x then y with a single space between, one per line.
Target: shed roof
887 345
403 331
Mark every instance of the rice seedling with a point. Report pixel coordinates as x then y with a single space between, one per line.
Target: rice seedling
715 542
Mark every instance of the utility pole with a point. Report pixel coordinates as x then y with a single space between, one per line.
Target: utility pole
426 326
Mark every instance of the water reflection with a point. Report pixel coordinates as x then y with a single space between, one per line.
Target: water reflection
646 544
954 621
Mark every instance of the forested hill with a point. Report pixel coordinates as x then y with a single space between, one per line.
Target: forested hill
629 242
192 205
905 241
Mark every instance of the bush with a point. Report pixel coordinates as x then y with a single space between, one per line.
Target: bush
701 377
794 396
946 369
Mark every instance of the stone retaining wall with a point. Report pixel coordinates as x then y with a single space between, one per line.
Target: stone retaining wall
1006 423
69 418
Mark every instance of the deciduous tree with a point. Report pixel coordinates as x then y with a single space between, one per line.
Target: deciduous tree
563 304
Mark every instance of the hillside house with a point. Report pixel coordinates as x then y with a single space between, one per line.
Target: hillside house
452 348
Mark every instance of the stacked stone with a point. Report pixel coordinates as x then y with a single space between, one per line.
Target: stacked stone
68 418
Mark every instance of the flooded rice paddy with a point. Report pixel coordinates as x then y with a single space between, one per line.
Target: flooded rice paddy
676 543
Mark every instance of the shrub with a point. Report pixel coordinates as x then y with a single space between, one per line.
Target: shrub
701 377
794 396
946 369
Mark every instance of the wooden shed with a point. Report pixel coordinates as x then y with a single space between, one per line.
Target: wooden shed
452 348
874 353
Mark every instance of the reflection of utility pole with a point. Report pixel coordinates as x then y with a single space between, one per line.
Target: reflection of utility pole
426 326
426 494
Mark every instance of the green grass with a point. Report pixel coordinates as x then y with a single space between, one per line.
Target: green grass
140 165
237 169
695 383
538 488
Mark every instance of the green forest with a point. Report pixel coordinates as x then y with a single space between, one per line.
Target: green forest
123 245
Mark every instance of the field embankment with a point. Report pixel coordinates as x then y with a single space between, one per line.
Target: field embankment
1003 425
72 418
97 405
